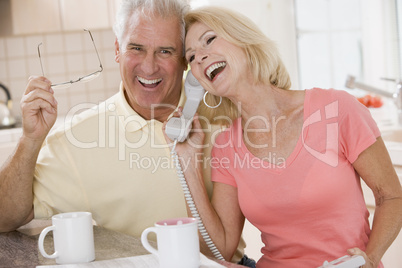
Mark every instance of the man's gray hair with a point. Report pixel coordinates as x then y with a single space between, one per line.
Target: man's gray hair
163 8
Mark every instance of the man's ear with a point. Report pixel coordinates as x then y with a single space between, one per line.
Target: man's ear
116 50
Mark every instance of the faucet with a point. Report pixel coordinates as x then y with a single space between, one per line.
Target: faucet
396 96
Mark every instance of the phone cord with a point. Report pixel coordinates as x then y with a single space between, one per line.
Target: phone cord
191 205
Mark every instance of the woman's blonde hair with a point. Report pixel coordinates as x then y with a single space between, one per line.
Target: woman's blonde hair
263 57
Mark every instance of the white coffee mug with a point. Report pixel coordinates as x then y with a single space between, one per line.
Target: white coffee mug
73 238
177 240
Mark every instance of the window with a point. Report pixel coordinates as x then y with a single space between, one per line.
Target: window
340 37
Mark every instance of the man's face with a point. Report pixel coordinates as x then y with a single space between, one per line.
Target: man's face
151 63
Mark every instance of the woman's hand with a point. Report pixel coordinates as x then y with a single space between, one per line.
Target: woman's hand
39 108
193 145
357 251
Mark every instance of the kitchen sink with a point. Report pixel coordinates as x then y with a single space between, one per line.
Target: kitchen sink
393 140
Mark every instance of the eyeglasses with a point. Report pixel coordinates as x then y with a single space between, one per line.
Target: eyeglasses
85 78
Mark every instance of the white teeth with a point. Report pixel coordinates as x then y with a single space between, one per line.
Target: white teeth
213 67
148 82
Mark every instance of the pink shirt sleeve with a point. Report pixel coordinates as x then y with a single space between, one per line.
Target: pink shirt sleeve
358 130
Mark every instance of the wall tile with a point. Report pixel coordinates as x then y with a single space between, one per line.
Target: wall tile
55 65
15 47
62 92
60 78
31 44
97 96
112 91
17 88
113 79
3 70
54 43
63 101
88 44
96 84
108 60
92 61
33 65
108 39
73 42
77 99
2 48
77 88
17 68
75 64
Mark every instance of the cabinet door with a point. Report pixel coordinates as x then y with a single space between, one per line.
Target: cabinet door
80 14
32 17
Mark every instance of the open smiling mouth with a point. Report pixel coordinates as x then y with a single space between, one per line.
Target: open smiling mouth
149 83
215 69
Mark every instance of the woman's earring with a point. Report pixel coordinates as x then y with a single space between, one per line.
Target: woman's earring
213 107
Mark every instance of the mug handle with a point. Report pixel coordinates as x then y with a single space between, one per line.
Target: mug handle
144 240
41 240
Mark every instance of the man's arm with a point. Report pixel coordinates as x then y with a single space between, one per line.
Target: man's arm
39 112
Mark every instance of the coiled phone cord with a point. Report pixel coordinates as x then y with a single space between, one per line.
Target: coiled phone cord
191 204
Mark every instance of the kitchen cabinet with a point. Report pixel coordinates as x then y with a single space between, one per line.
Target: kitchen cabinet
21 17
79 14
32 17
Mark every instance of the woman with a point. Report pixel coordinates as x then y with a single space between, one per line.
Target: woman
291 162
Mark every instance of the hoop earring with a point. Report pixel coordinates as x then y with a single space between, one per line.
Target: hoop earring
213 107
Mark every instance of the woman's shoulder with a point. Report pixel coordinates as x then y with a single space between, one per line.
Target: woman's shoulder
329 93
321 96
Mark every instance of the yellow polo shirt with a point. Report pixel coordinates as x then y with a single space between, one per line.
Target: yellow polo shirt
110 161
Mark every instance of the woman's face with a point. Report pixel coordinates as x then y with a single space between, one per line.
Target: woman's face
218 65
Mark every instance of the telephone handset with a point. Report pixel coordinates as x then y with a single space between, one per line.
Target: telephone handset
179 127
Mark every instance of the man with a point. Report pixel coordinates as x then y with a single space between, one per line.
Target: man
111 160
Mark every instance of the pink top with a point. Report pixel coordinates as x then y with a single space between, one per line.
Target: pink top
310 206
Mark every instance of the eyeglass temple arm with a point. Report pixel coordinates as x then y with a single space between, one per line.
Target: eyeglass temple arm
97 54
40 60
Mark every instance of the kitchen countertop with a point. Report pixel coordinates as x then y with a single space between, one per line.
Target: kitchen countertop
20 248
